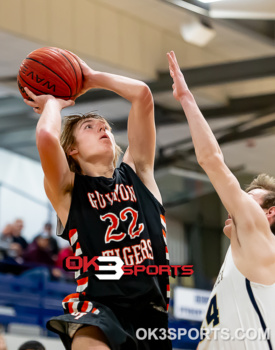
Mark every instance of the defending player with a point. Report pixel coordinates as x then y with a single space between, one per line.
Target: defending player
242 304
106 212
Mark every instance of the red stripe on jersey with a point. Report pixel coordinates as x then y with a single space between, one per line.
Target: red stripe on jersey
70 307
168 288
71 296
72 232
82 281
163 218
85 306
166 249
94 310
164 234
167 307
78 245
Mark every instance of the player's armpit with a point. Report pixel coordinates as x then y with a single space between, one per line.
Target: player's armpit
60 203
128 159
147 177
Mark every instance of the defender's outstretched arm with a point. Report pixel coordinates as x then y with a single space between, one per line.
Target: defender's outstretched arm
241 207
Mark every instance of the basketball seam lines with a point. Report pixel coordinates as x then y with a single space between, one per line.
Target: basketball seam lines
32 59
73 69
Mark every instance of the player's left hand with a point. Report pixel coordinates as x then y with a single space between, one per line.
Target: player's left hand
180 87
38 103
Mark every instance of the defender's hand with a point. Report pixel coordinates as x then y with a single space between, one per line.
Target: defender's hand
180 87
39 102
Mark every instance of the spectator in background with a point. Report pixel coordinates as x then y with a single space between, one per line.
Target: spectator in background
6 234
32 345
18 226
38 252
64 253
53 245
10 250
5 240
14 253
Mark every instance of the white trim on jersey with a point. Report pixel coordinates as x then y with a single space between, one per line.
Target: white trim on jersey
236 304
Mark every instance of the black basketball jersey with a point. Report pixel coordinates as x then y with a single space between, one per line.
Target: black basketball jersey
117 216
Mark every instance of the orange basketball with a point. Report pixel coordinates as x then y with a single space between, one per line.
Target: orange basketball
50 71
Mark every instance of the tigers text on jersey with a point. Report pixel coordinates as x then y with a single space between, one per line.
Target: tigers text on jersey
240 314
117 216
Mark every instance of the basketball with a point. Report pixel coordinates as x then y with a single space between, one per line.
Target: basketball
50 71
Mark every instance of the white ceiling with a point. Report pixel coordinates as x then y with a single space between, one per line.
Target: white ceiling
245 9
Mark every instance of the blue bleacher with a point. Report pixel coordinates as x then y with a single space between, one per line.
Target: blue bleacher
31 298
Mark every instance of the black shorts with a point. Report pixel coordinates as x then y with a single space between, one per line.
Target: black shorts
119 325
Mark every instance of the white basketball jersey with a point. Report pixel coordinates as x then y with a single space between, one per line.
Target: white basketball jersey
240 313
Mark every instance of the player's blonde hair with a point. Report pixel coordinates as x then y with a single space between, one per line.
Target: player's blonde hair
264 182
67 138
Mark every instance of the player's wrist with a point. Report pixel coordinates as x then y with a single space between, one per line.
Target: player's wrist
95 79
186 97
53 102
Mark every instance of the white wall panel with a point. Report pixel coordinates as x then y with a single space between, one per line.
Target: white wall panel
22 193
175 241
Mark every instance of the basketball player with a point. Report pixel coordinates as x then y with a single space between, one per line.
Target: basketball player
243 298
106 211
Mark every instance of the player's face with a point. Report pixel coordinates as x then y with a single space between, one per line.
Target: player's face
258 195
94 141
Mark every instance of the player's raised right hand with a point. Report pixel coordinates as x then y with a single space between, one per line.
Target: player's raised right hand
88 75
38 103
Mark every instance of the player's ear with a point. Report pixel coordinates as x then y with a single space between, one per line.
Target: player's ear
72 151
271 211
